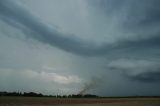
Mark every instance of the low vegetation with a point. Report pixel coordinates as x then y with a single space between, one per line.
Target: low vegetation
37 99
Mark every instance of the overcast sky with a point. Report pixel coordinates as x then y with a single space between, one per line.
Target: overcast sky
62 46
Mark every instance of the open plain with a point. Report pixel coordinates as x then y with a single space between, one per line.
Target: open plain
46 101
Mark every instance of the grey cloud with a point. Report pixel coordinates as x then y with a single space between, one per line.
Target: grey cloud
138 70
143 13
19 17
127 66
146 77
133 14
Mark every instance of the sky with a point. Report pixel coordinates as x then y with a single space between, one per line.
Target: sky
102 47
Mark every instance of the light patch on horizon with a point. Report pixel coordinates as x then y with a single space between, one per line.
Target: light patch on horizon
38 79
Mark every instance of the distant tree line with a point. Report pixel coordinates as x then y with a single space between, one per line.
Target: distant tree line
33 94
21 94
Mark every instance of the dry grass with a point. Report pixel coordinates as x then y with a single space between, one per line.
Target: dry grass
40 101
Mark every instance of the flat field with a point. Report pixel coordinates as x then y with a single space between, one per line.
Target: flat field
46 101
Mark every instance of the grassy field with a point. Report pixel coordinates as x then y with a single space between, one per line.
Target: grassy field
44 101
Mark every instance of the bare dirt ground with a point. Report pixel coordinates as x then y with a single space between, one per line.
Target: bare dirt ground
44 101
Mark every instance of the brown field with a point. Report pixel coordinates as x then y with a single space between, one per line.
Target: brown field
44 101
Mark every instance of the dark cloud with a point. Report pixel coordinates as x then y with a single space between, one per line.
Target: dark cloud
142 14
138 70
146 77
131 14
19 17
132 57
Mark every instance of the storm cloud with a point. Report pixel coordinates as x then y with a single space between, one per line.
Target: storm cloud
138 70
64 44
17 16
